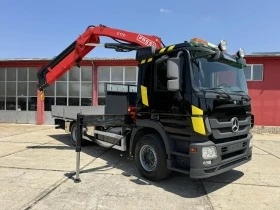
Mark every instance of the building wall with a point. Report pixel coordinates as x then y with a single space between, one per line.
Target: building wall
78 87
266 94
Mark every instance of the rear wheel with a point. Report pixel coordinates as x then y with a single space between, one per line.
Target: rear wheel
74 135
150 158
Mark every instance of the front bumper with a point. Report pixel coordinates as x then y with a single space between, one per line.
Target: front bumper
230 155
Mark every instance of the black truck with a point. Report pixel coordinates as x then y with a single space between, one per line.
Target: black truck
190 111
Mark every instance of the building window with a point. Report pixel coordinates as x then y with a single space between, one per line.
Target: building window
117 75
17 87
32 88
2 102
254 72
2 74
74 88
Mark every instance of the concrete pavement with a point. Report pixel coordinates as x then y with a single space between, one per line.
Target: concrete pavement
37 165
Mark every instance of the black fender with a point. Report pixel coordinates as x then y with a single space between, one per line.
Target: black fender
152 125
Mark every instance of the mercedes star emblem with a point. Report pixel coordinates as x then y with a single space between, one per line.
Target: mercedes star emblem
235 124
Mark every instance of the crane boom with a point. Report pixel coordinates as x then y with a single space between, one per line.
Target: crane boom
86 42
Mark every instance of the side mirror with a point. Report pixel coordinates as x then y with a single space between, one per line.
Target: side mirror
173 74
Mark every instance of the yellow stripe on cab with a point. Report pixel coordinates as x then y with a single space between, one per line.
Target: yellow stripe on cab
144 95
171 48
197 121
162 50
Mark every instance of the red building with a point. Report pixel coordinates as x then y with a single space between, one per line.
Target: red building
20 101
264 87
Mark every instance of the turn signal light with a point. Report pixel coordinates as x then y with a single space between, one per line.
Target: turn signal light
193 150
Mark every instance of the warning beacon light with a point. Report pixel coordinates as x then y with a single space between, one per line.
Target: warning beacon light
222 46
200 42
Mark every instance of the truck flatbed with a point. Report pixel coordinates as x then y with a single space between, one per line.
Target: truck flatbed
92 116
70 112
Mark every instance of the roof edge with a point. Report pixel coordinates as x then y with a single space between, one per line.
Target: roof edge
85 59
261 55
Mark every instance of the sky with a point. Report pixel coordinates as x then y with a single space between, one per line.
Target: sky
43 29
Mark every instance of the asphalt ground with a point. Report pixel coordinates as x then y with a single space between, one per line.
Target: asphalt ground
37 165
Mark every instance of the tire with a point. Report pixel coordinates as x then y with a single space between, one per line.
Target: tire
73 135
150 158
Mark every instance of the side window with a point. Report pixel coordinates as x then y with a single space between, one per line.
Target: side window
254 72
161 75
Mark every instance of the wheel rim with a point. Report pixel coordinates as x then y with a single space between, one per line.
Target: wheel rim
148 158
74 134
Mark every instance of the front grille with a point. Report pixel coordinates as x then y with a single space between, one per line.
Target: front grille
222 128
232 163
229 155
228 119
229 129
224 150
224 140
228 151
226 165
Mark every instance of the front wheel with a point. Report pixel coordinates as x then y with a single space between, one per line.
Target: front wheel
150 157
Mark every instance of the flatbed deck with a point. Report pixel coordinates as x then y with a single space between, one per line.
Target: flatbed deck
92 116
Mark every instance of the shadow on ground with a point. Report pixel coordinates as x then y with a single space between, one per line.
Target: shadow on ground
177 183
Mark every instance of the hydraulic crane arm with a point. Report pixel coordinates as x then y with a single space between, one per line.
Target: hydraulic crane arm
86 42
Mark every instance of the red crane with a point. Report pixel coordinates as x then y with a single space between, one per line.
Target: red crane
86 42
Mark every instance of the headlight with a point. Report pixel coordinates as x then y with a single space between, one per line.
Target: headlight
209 153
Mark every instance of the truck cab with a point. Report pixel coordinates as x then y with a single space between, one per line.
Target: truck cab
197 94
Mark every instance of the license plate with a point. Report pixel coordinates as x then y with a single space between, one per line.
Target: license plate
235 147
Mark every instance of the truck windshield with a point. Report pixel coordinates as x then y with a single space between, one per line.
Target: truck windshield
215 75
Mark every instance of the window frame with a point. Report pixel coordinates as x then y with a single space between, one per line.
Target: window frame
252 73
16 80
76 81
123 81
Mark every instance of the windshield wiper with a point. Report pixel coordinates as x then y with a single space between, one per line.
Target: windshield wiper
221 89
247 97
